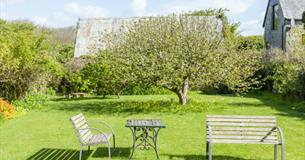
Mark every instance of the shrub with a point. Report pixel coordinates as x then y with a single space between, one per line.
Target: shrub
24 58
31 101
288 74
7 110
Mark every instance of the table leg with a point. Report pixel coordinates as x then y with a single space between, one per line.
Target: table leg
134 134
155 139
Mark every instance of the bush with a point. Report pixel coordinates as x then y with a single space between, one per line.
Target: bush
25 59
7 110
31 101
288 74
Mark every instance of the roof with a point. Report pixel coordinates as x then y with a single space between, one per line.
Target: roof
292 9
90 32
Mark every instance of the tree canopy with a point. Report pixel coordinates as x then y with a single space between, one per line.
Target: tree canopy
179 52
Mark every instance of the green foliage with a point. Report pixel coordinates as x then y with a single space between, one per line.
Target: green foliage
25 62
288 74
65 53
251 42
178 52
31 101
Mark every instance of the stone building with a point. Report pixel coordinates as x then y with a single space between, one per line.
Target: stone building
283 24
90 32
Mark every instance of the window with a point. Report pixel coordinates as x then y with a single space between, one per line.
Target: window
275 17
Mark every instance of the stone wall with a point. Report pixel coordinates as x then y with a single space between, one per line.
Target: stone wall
91 32
294 38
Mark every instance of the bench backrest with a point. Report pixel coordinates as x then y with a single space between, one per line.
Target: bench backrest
241 129
81 128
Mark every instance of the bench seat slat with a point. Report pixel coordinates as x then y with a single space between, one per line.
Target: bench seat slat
241 117
244 141
223 128
271 133
241 124
243 137
241 120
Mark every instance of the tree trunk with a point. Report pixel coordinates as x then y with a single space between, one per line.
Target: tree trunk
182 93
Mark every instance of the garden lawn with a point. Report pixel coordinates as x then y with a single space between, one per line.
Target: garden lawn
48 134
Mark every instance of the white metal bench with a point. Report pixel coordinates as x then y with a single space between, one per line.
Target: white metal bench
85 136
243 130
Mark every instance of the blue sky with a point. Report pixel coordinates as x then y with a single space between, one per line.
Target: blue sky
61 13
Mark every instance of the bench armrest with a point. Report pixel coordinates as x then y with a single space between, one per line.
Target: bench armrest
281 135
103 123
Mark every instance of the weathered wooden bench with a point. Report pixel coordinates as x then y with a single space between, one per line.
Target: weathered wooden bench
80 95
243 130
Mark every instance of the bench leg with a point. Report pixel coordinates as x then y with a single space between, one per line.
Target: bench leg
80 152
208 151
275 152
109 151
283 151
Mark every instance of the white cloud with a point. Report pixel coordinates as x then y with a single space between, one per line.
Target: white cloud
235 6
252 27
12 2
86 11
40 20
139 7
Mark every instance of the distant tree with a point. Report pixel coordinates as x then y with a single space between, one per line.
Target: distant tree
178 52
24 59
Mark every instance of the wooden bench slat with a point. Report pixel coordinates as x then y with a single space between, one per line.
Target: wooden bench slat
241 124
243 137
223 128
244 141
240 117
241 120
77 117
79 123
273 133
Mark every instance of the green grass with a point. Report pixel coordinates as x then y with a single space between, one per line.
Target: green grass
48 134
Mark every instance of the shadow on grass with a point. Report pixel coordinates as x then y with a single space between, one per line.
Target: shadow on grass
275 102
69 154
203 157
83 98
117 152
56 154
98 106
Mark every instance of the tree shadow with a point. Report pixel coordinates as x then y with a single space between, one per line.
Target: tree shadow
56 154
203 157
117 152
111 107
83 98
278 103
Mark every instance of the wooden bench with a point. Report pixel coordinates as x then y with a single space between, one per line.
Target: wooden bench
243 130
75 95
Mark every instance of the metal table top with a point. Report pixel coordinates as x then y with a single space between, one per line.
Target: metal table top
149 123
